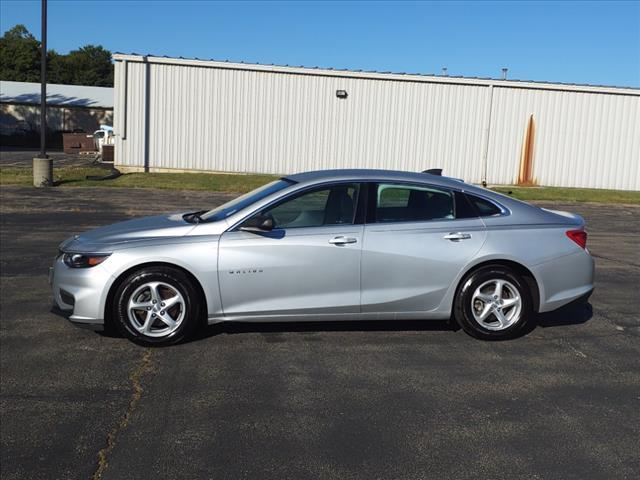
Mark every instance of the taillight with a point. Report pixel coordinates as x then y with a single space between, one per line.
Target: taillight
578 236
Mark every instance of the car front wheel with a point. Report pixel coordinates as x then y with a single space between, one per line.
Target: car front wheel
156 306
493 303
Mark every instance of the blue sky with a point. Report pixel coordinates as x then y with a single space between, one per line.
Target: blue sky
576 42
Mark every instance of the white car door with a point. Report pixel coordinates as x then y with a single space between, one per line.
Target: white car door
309 263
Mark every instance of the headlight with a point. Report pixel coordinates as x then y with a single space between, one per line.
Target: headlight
80 260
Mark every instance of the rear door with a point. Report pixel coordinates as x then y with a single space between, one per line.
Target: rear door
416 241
308 264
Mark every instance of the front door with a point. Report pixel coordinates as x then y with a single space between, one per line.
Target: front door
308 264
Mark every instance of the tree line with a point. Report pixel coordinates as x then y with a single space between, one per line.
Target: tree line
20 62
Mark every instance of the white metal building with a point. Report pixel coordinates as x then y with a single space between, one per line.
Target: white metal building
69 107
179 114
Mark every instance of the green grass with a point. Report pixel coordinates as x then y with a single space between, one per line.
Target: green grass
75 177
571 194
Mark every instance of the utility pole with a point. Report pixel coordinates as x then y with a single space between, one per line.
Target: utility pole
42 164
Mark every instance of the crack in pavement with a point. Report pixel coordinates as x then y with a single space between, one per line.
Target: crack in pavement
615 260
135 377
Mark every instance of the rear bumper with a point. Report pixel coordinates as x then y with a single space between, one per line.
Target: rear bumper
581 300
565 280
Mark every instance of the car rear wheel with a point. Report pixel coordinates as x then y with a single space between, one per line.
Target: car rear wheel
156 306
493 303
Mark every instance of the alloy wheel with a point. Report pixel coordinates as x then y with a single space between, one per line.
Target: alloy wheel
496 304
156 309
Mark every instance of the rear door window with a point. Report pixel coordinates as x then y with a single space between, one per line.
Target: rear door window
409 203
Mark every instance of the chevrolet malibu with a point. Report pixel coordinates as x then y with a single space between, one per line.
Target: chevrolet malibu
330 245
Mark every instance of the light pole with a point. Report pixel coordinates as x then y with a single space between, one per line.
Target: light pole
42 164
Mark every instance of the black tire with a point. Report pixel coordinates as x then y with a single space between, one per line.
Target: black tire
464 304
189 309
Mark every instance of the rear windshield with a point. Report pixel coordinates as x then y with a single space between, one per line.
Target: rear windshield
227 209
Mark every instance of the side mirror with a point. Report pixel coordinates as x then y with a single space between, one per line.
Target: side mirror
258 223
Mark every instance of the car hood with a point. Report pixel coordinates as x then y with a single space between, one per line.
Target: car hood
137 230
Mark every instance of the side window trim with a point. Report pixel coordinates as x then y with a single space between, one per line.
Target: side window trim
362 209
372 197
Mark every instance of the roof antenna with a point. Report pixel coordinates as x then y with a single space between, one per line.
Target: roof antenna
504 73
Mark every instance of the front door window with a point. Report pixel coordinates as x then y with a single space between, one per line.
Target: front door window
334 205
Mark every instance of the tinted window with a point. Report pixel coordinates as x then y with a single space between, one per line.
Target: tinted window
464 209
407 203
485 208
334 205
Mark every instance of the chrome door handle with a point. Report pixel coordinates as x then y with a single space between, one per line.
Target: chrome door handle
342 240
455 236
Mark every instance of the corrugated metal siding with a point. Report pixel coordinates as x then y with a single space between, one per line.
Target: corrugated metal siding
207 118
131 150
581 139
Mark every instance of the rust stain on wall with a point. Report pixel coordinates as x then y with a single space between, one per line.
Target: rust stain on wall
525 174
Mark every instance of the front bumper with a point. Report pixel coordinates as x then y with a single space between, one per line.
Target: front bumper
80 293
96 327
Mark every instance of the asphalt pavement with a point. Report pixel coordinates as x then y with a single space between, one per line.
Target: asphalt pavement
369 400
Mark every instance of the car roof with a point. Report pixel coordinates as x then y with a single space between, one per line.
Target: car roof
362 174
374 175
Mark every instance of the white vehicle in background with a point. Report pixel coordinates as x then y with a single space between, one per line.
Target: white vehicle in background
103 136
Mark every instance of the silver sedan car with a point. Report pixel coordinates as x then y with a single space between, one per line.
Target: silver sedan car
330 245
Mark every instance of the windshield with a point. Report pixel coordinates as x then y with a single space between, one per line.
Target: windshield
227 209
